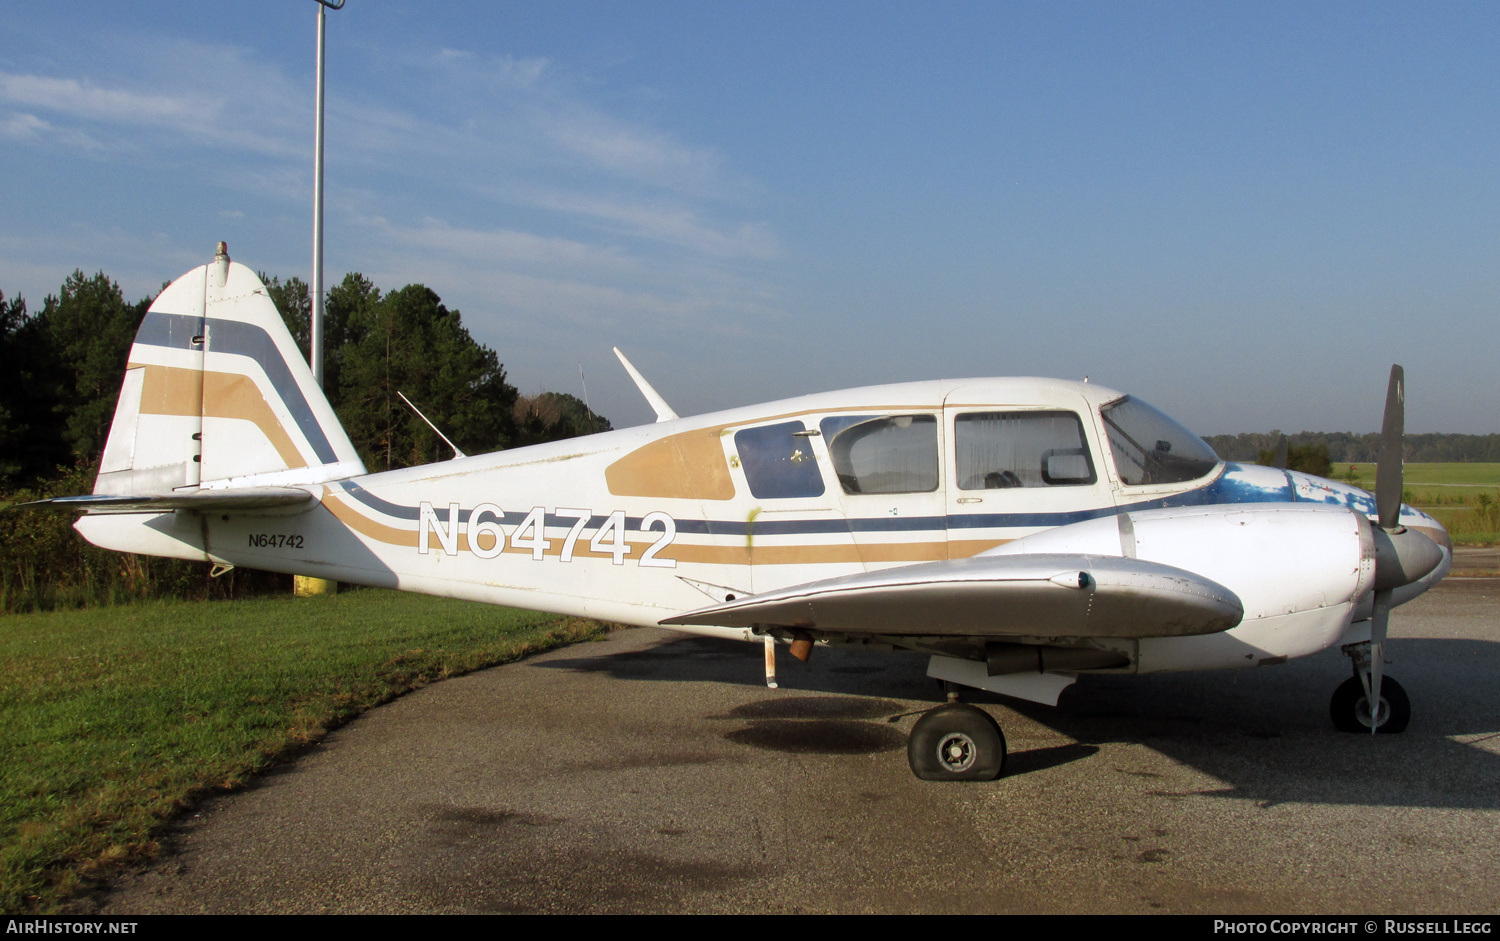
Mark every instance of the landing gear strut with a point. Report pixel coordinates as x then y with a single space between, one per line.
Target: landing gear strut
956 742
1350 707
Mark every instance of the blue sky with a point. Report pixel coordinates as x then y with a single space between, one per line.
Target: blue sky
1242 213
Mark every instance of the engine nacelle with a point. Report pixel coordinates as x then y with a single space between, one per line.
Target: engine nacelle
1299 570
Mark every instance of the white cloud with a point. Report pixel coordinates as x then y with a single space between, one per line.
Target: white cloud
613 225
506 247
633 152
23 126
503 71
83 99
189 114
30 129
500 278
666 222
495 299
170 91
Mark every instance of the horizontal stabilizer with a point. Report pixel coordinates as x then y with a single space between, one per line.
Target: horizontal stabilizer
1051 595
243 498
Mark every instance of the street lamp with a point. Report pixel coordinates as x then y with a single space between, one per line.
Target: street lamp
305 584
315 345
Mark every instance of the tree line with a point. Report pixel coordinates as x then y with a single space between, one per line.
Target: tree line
61 367
60 374
1348 447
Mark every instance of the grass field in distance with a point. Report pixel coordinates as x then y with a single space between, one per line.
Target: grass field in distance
1465 498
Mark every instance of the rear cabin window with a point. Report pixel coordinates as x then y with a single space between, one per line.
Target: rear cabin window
888 454
999 450
778 462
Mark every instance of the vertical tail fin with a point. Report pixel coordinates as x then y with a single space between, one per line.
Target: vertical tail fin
217 395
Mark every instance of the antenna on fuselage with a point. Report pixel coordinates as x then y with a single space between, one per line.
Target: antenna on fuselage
587 407
663 410
456 452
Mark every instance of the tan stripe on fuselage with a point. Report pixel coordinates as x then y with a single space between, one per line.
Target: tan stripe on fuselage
391 536
967 548
826 553
690 465
686 466
362 524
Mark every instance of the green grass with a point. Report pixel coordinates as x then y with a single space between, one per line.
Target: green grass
1465 498
116 718
1437 478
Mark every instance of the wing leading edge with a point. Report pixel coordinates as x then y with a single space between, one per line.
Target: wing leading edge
1059 595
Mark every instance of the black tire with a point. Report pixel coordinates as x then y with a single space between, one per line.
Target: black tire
956 743
1350 707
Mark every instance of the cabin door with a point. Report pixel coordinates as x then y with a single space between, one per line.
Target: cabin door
793 523
886 472
1016 470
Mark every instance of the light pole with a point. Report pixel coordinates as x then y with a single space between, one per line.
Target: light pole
305 584
315 345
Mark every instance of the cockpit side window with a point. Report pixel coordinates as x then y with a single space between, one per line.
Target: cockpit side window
778 461
888 454
1151 448
998 450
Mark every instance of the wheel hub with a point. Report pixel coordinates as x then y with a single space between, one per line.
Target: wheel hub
957 752
1362 712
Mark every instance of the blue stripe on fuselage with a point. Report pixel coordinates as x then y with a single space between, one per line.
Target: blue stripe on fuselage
1235 484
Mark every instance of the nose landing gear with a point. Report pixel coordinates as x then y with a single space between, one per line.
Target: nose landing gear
1350 707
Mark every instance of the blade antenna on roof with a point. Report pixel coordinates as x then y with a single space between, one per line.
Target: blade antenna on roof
663 410
456 452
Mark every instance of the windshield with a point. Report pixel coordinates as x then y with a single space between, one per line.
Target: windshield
1152 448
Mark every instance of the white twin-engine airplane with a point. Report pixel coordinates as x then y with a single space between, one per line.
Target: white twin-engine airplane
1019 531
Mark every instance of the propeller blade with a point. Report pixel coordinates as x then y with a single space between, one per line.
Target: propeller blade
1388 483
1280 460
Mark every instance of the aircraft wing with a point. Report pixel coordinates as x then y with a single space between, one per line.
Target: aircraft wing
242 498
1049 595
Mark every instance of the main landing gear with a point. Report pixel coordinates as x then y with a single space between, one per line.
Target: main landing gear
956 742
1350 707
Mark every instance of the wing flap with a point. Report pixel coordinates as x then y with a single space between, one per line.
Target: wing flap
240 499
1051 595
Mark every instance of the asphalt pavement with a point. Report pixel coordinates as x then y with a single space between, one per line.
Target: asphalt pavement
653 772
